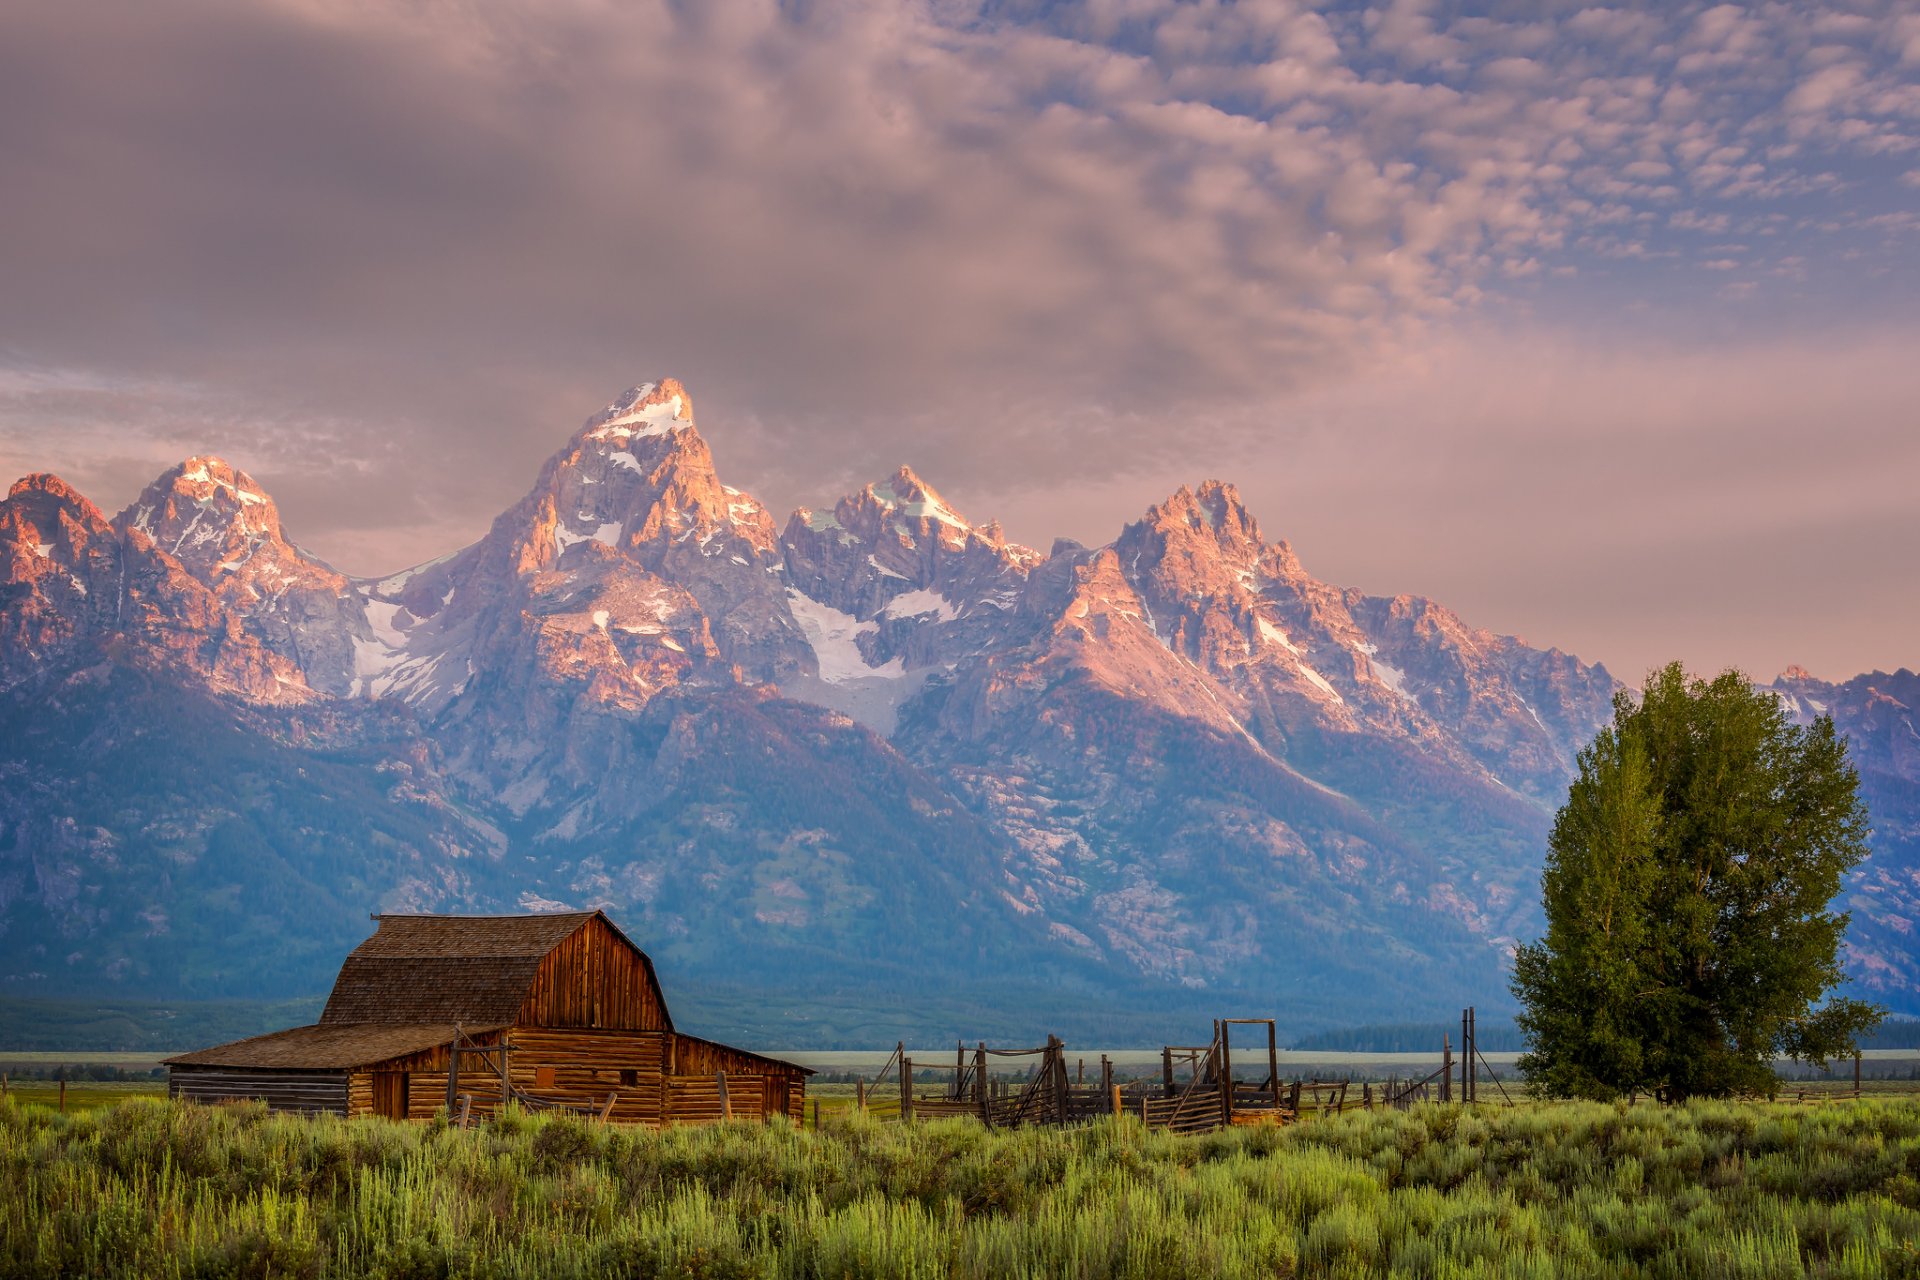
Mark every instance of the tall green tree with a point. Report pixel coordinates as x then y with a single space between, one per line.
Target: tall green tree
1687 890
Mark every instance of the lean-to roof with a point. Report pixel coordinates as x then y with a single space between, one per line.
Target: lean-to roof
325 1048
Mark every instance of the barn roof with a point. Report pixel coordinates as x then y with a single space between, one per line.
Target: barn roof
471 970
324 1048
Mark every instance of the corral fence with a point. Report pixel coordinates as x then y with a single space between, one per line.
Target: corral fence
1201 1087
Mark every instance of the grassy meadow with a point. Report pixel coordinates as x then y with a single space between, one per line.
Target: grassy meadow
148 1188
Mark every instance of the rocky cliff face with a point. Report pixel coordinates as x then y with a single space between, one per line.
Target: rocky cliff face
225 531
878 733
75 590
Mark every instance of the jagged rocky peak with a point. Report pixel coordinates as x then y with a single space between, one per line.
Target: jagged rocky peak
898 538
652 409
44 517
225 530
184 495
1205 541
627 568
214 519
52 542
636 477
1214 506
902 511
908 498
79 588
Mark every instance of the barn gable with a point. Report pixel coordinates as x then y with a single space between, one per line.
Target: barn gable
573 969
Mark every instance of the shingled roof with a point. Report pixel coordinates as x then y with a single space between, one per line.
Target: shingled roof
471 970
324 1048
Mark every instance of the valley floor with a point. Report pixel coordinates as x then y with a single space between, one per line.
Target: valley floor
149 1188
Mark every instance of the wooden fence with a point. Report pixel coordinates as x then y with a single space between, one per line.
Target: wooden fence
1200 1087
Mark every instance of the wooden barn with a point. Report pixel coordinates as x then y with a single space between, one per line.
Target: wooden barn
462 1011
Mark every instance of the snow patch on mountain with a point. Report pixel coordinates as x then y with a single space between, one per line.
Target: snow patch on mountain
1274 635
919 604
629 418
1391 676
834 638
1320 682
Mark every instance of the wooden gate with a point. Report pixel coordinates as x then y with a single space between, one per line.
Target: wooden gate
1211 1098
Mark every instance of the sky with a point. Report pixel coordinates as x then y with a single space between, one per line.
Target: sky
1597 324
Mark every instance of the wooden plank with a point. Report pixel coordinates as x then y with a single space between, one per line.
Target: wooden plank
593 979
698 1100
307 1092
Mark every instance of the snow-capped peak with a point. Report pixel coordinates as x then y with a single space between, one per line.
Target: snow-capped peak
910 496
210 478
206 511
650 409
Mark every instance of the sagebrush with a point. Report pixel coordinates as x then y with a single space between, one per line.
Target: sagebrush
152 1188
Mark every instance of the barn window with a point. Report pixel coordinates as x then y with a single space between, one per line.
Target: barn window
629 1077
543 1077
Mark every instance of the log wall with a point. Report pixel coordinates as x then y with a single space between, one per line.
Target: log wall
657 1078
308 1091
696 1099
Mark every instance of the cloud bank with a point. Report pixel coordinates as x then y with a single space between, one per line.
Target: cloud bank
386 255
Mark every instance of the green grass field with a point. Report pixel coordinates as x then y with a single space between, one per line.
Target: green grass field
149 1188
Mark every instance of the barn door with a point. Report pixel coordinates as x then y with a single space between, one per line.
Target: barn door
390 1094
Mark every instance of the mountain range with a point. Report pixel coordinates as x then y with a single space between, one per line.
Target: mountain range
877 754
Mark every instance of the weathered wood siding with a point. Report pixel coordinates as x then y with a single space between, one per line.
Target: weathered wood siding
586 1067
695 1057
581 1067
594 980
696 1099
309 1091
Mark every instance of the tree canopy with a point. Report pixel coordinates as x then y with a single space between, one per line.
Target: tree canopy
1689 875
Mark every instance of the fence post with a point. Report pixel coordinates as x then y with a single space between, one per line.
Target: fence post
1166 1072
1473 1055
1446 1069
1114 1100
1466 1051
859 1095
906 1087
1223 1070
453 1069
1273 1064
982 1095
726 1107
